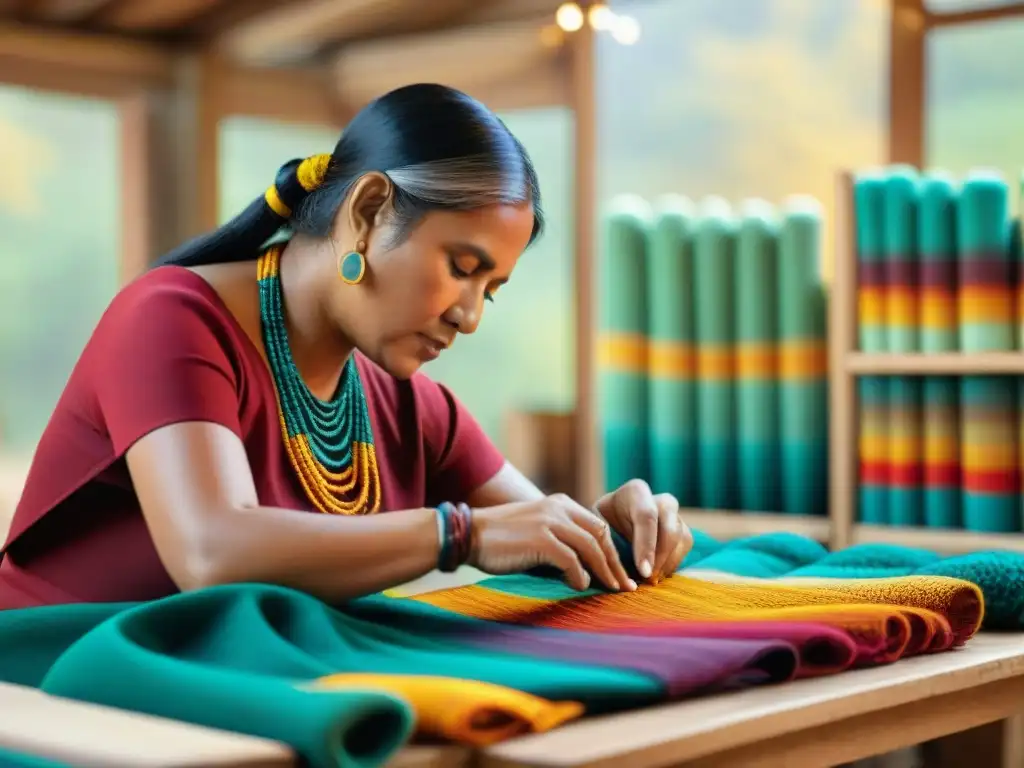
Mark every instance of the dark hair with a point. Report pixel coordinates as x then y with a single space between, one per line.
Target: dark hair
442 150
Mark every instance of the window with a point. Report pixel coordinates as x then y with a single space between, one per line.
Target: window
974 114
743 99
60 213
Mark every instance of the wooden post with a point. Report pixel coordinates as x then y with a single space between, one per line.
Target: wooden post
583 100
169 187
907 82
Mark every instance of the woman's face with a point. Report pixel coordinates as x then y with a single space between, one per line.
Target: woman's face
416 297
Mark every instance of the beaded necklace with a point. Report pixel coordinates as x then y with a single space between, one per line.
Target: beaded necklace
329 443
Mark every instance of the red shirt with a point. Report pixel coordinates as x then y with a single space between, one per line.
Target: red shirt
168 350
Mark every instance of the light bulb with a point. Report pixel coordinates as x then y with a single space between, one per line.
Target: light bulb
626 30
601 17
569 17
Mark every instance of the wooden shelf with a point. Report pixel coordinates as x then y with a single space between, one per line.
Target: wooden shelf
946 541
724 524
944 363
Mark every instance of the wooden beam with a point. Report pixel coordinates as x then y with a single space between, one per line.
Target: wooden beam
906 82
583 98
301 96
65 11
513 66
151 15
93 65
296 30
959 18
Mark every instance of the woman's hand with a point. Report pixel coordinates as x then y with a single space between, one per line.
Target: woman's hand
652 523
555 531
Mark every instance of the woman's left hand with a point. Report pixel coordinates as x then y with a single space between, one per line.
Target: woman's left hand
651 522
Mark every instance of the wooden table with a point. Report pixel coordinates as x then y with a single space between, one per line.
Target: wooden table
807 724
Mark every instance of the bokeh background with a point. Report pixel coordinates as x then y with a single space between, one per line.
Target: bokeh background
726 97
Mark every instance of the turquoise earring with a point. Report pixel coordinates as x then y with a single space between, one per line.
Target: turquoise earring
352 266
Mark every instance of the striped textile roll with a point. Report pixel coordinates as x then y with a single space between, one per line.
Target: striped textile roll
985 298
716 391
1017 268
942 452
901 260
622 350
672 362
757 383
906 450
873 445
936 226
989 453
869 204
803 373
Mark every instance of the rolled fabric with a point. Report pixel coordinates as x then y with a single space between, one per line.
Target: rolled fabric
672 362
942 476
986 293
990 454
869 206
901 260
622 347
714 254
873 448
803 369
906 451
757 376
936 227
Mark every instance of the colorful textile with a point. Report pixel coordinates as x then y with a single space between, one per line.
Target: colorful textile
340 685
464 711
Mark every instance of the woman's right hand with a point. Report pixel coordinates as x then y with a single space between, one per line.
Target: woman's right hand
554 531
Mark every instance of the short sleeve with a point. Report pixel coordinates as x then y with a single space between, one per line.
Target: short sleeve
461 457
160 357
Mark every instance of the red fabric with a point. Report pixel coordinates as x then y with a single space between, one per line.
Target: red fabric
167 350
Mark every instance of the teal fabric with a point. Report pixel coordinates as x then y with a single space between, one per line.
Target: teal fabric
239 657
11 759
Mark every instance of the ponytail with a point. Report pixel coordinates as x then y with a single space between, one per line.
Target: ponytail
245 236
441 149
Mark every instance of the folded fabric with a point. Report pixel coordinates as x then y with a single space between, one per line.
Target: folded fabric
463 711
999 574
821 649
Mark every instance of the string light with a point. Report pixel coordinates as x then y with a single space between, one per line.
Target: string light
570 17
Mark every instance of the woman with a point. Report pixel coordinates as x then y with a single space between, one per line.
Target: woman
236 385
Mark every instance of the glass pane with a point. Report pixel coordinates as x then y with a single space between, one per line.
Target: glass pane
60 214
974 113
738 99
252 150
521 357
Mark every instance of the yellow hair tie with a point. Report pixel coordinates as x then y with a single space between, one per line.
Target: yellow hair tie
276 203
312 170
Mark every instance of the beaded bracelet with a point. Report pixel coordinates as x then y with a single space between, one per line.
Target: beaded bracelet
455 525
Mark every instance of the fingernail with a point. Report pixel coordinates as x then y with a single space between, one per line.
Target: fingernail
631 585
586 580
645 568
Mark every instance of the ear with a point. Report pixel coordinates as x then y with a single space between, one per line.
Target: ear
365 205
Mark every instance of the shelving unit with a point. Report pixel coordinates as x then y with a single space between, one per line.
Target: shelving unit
846 364
730 525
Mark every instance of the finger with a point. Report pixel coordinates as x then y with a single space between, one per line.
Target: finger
564 558
669 528
588 550
598 527
642 512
